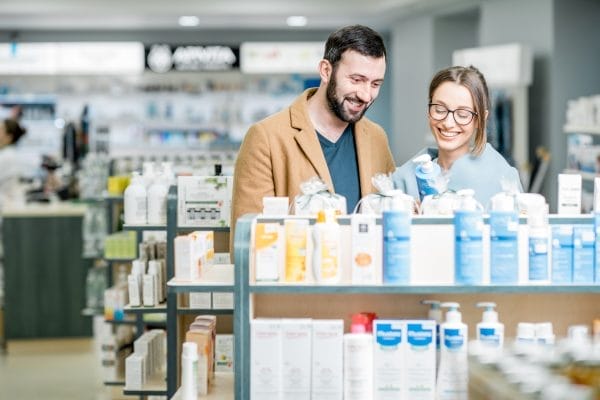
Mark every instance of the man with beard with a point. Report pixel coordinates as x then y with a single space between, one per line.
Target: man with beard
323 133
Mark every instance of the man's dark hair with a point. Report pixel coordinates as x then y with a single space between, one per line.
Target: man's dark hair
359 38
14 129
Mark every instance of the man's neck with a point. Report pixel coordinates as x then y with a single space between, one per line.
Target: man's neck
323 119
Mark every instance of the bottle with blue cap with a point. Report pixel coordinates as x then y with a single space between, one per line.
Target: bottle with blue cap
453 374
468 243
428 175
490 332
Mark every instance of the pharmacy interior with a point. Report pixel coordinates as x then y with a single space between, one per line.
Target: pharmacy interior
120 228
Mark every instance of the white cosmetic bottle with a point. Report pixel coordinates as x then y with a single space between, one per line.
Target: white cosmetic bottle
157 201
435 313
490 332
326 248
135 201
453 374
189 371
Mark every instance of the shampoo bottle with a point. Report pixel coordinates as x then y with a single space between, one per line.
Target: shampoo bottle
326 248
428 175
537 220
396 244
189 371
358 360
453 374
504 246
490 332
468 243
135 201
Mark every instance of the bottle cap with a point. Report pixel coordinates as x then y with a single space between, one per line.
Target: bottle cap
578 333
452 315
359 323
525 330
489 313
467 200
544 330
189 349
435 312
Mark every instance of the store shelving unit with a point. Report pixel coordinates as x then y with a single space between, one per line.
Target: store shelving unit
217 279
245 290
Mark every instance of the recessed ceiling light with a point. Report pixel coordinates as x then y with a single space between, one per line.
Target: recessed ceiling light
189 20
296 20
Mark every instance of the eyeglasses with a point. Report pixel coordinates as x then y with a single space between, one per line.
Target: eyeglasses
461 116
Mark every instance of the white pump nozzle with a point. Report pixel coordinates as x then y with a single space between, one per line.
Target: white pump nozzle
467 199
435 312
503 202
452 315
489 313
425 161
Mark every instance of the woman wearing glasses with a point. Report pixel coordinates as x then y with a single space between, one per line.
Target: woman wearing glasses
458 110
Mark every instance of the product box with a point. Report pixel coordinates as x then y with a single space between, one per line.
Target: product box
224 353
419 360
265 359
327 359
200 301
569 194
388 359
296 346
296 242
267 251
222 301
562 254
204 200
583 254
365 268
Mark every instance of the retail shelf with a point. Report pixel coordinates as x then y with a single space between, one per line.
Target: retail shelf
586 176
120 260
216 278
155 386
91 312
594 130
418 289
211 311
122 321
221 389
92 256
161 308
118 382
112 198
184 229
146 227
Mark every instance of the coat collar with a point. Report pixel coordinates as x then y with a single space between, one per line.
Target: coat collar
307 139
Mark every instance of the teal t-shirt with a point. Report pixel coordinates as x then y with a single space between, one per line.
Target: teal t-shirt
343 166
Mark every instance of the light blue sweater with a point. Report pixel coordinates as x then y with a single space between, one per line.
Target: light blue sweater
484 174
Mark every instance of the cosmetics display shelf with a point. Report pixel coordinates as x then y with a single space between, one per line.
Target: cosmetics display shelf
199 311
142 228
160 308
593 130
187 229
247 292
221 389
216 278
155 386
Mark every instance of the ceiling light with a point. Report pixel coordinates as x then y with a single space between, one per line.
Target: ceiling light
296 20
189 20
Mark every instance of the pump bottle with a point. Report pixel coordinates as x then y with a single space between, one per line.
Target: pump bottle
453 374
358 360
468 243
135 201
504 246
490 332
537 220
396 243
428 175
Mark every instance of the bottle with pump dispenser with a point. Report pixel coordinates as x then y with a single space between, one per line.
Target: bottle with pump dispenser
539 235
435 313
135 201
468 243
504 245
428 174
358 360
490 332
396 243
453 374
326 248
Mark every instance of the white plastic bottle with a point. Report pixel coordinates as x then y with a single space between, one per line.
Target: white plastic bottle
435 313
326 248
504 245
428 175
135 201
157 201
396 243
358 360
539 234
490 332
189 371
453 374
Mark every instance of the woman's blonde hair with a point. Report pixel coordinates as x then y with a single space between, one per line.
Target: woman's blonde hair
471 78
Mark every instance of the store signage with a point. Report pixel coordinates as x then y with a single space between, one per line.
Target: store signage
95 58
163 58
281 57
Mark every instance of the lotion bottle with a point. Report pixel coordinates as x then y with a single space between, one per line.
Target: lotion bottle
428 175
157 201
135 201
358 360
453 375
490 332
468 243
326 248
189 371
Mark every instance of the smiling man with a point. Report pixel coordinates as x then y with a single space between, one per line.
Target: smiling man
323 133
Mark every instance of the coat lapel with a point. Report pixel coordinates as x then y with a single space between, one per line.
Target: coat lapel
307 139
363 155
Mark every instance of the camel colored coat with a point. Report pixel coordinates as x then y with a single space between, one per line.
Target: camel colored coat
283 150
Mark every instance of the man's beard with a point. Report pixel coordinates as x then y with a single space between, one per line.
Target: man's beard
337 106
